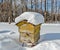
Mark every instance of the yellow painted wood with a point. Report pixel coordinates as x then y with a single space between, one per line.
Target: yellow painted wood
29 33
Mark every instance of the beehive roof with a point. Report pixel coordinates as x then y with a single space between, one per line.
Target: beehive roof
32 17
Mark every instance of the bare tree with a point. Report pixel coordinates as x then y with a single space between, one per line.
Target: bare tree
56 10
14 9
59 11
5 11
24 4
41 7
31 5
45 9
47 5
52 10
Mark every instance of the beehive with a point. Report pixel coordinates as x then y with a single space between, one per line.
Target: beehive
29 24
29 33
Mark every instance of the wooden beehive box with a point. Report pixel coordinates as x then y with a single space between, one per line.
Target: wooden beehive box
29 24
29 33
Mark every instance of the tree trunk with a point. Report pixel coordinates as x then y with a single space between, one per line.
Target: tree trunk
47 5
56 10
45 10
52 11
31 5
41 7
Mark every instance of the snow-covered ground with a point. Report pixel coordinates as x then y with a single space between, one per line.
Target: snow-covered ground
50 37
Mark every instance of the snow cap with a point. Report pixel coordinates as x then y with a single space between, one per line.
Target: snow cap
31 17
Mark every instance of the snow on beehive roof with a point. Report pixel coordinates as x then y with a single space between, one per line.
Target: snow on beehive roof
31 17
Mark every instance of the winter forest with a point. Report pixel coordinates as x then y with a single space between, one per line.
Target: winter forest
10 9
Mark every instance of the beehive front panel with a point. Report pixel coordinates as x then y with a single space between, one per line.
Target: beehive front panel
29 33
27 28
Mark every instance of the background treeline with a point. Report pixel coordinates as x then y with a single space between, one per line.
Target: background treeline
10 9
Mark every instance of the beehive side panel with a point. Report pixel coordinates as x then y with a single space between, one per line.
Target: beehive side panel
37 33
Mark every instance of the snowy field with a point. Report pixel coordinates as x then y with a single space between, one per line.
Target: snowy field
50 37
